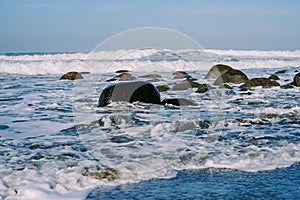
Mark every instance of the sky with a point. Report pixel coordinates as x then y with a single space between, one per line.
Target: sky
79 26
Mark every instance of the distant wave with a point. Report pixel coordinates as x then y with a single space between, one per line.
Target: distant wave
143 60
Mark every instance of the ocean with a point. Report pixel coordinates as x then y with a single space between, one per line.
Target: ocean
56 143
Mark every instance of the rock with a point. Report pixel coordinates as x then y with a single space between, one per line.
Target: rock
184 85
225 86
125 77
264 82
111 80
162 88
129 92
179 73
71 76
281 72
180 76
202 88
110 174
232 76
152 76
296 71
3 127
287 86
122 71
297 80
274 77
217 70
178 102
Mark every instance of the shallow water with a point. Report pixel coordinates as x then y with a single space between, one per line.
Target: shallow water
55 143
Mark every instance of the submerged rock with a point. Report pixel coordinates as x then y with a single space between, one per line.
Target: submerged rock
110 174
274 77
129 92
217 70
178 102
122 71
71 76
281 72
232 76
202 88
297 80
162 88
287 86
264 82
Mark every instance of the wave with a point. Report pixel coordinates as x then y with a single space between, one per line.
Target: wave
144 60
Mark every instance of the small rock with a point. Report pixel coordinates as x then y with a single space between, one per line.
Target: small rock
125 77
296 71
179 72
274 77
202 88
287 86
184 85
111 80
180 76
110 175
297 80
281 72
122 71
178 102
162 88
225 86
264 82
152 76
71 76
217 70
232 76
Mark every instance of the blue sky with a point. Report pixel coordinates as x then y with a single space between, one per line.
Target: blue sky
71 26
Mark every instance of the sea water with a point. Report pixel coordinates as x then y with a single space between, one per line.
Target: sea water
55 143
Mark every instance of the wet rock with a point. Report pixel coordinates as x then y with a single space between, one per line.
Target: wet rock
125 77
297 80
181 75
281 72
202 88
225 86
110 174
287 86
217 70
178 102
129 92
264 82
151 76
274 77
122 71
162 88
232 76
111 80
296 71
71 76
184 85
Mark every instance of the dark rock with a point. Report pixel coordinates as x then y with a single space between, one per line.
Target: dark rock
274 77
287 86
122 71
225 86
152 76
111 80
281 72
264 82
179 72
297 80
125 77
3 127
162 88
296 71
184 85
232 76
178 102
202 88
217 70
71 76
129 92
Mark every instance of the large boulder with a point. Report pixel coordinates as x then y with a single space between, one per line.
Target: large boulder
178 102
264 82
217 70
71 76
232 76
129 92
297 80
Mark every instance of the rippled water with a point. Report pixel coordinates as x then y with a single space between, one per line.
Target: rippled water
56 142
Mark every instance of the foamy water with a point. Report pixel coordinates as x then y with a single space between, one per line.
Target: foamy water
57 144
